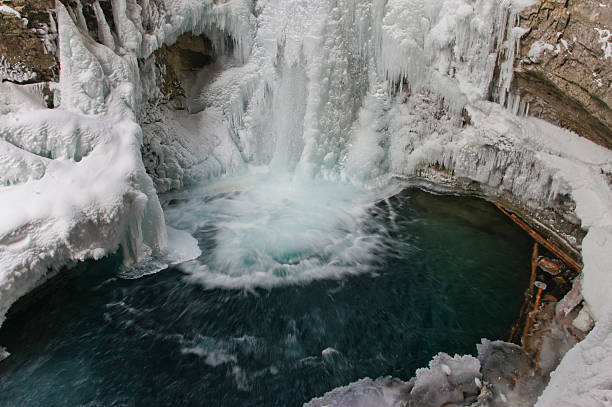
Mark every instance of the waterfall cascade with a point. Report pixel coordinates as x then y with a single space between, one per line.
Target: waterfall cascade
311 86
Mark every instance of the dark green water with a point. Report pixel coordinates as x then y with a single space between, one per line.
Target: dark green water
94 339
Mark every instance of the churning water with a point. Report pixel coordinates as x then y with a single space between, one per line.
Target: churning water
298 291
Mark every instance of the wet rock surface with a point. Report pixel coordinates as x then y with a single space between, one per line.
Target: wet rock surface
187 55
508 374
564 66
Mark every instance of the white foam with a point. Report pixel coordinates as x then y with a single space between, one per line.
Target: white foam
272 230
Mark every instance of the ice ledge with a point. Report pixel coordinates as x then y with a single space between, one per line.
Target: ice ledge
76 211
80 190
528 159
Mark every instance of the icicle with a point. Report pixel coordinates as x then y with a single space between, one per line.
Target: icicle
104 32
80 18
129 34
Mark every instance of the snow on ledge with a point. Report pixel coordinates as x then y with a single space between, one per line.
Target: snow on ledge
79 189
584 377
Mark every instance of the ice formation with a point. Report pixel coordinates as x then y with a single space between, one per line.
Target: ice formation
73 183
447 381
15 72
346 91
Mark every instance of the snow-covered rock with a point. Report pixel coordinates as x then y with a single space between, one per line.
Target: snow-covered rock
584 377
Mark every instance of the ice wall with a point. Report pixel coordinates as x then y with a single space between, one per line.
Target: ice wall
295 82
73 184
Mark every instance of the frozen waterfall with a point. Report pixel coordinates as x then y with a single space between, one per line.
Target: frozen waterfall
312 89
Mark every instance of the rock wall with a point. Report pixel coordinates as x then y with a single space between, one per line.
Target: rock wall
27 41
189 54
564 66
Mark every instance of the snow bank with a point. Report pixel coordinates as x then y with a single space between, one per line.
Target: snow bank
79 189
78 210
73 185
584 377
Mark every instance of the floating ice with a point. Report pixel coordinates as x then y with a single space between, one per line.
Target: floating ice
181 247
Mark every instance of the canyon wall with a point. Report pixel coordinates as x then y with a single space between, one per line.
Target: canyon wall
564 66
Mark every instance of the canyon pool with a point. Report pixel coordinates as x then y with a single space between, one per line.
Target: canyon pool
287 301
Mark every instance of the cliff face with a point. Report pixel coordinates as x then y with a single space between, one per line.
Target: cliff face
27 41
564 66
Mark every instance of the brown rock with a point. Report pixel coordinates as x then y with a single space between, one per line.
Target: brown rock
548 265
569 82
21 41
188 53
